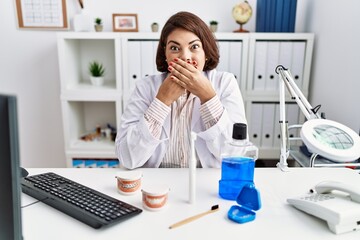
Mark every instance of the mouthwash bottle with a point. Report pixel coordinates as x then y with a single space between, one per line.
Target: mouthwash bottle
238 163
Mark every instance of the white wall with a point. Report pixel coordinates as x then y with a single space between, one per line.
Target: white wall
29 65
335 82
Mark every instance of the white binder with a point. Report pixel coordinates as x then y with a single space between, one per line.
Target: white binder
235 60
298 59
285 55
260 65
277 129
155 47
292 115
224 52
255 124
134 67
271 78
147 58
268 121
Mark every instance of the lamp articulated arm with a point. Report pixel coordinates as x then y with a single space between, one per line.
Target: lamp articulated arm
287 80
327 138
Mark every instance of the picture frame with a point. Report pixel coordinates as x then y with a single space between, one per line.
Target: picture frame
42 14
125 22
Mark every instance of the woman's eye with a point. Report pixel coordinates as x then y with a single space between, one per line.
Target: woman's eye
195 46
174 48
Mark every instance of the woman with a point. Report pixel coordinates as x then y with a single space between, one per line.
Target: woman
189 96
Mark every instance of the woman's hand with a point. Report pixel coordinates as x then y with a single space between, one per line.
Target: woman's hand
169 91
186 75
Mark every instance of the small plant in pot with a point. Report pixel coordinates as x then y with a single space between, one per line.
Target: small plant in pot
98 25
154 27
213 25
97 72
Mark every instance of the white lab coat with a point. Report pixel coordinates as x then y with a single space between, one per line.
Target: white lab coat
136 146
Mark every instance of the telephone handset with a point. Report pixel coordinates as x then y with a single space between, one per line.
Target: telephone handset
335 202
328 186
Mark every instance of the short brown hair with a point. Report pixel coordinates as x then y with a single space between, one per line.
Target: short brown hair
192 23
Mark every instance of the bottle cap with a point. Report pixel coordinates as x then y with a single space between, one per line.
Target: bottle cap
239 131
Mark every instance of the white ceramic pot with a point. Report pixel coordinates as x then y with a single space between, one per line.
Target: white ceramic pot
97 81
213 27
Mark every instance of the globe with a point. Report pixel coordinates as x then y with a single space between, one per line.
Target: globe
242 12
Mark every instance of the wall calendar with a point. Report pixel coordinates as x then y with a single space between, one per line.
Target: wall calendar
47 14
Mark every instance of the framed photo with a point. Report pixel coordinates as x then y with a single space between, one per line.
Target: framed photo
42 14
125 22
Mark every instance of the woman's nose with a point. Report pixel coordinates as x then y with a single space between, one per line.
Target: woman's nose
185 56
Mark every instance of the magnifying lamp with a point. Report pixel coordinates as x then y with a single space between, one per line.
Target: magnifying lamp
324 137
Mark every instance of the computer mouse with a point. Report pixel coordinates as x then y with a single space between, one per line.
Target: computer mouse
24 172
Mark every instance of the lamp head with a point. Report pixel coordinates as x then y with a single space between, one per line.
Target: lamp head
331 140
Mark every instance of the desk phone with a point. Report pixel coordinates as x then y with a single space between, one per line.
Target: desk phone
336 203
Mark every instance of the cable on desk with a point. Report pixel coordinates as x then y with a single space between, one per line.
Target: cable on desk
34 202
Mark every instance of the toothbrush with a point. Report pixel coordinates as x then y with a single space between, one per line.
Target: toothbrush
193 218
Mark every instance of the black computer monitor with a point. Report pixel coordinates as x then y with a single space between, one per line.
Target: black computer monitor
10 209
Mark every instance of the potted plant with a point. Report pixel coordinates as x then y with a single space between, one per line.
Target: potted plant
154 27
98 25
97 72
213 25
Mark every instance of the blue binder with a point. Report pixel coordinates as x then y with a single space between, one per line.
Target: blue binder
279 15
292 16
260 15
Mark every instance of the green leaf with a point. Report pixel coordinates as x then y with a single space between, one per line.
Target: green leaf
96 69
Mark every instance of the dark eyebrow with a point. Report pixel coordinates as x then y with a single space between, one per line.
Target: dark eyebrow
172 41
196 40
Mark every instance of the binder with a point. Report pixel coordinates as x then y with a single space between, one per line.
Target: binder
292 115
279 15
255 124
101 163
277 129
260 65
78 163
292 15
90 163
272 62
286 16
260 15
285 55
155 47
235 59
224 52
113 163
268 16
134 66
147 58
272 15
268 121
298 60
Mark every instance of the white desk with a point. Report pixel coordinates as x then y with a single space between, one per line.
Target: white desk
275 220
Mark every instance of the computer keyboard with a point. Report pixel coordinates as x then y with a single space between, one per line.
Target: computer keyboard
83 203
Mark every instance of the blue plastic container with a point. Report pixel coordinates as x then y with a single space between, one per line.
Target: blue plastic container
237 169
249 201
235 173
230 189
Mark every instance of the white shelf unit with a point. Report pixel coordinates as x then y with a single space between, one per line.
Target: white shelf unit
131 56
85 106
266 51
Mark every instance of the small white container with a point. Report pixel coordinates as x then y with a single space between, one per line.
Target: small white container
129 182
154 198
